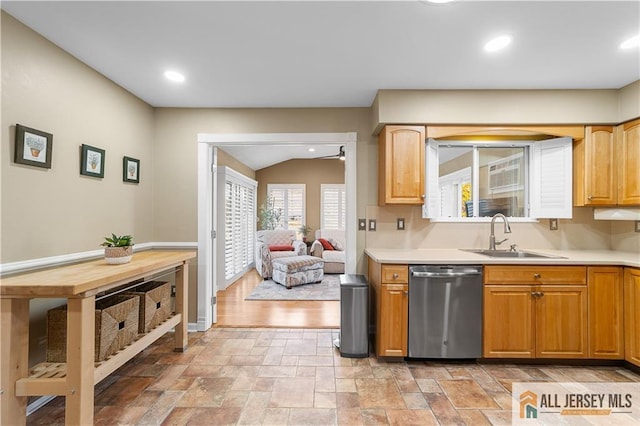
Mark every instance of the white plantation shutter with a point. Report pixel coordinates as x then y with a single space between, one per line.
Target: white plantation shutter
239 223
290 198
551 179
332 206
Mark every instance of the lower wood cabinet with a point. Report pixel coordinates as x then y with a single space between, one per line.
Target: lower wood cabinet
606 328
394 318
389 285
547 319
632 315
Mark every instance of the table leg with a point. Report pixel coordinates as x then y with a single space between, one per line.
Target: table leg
14 353
80 361
182 298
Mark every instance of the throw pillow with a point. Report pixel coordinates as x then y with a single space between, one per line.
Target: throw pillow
281 248
336 244
325 244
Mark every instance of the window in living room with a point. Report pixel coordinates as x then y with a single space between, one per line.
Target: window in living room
290 200
332 206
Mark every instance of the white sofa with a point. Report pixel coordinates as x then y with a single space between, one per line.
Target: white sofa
333 259
273 238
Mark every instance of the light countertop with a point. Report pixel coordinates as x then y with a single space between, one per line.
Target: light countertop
456 256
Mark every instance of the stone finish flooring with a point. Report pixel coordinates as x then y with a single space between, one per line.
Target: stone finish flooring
253 376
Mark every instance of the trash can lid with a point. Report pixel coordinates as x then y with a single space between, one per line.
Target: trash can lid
352 280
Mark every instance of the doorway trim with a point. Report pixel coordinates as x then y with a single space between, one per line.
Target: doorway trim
207 175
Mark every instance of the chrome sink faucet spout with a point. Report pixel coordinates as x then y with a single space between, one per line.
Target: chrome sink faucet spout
507 230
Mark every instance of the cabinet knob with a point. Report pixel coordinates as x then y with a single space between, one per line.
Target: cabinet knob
590 197
395 275
536 276
406 293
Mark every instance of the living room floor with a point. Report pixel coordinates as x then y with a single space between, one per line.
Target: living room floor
289 376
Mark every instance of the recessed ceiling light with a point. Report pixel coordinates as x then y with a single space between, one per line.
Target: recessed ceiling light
498 43
174 76
439 1
631 43
312 150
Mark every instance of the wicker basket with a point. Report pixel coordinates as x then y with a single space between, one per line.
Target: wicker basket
155 304
116 327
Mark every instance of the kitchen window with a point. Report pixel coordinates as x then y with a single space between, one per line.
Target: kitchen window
467 180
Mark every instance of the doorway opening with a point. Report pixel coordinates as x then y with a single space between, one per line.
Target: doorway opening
208 145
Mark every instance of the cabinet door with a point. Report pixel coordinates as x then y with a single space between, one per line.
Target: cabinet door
401 165
628 161
600 172
632 315
606 337
561 321
394 320
508 322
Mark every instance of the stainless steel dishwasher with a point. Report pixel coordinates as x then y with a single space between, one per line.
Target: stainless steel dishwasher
445 311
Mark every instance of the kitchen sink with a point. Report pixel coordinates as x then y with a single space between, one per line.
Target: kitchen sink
510 254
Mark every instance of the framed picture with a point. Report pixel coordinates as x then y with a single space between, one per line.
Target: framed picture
130 170
92 161
33 147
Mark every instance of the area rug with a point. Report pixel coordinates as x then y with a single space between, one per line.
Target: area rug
327 289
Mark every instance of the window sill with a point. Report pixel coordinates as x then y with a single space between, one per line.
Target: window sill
482 219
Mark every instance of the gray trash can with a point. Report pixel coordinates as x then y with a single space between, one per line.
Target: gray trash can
354 303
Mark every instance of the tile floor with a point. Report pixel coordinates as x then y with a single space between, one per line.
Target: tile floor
295 377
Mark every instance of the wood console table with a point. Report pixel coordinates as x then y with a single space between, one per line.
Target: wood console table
79 284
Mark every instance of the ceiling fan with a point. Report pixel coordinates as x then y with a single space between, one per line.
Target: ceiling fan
340 155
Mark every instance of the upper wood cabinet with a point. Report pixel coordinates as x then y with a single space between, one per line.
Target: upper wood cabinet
629 163
605 166
401 169
594 167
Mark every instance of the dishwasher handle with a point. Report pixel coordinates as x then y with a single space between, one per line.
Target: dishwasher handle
421 274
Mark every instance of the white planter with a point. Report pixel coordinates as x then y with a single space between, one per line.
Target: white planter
118 255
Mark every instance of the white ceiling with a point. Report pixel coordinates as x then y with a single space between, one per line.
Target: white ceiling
338 53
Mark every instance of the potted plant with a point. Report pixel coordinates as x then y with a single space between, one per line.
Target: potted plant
118 249
304 230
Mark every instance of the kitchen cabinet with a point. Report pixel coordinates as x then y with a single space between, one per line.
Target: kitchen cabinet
605 166
606 333
390 304
401 165
535 311
632 315
628 159
594 167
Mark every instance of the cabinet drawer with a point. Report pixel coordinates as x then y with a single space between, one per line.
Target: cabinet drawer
395 274
535 275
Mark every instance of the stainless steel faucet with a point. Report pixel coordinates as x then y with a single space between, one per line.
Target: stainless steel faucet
507 230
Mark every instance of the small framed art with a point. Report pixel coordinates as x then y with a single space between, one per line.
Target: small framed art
130 170
92 161
33 147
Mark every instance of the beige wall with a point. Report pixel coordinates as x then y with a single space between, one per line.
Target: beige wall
629 102
312 173
47 212
50 212
500 107
226 159
175 199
